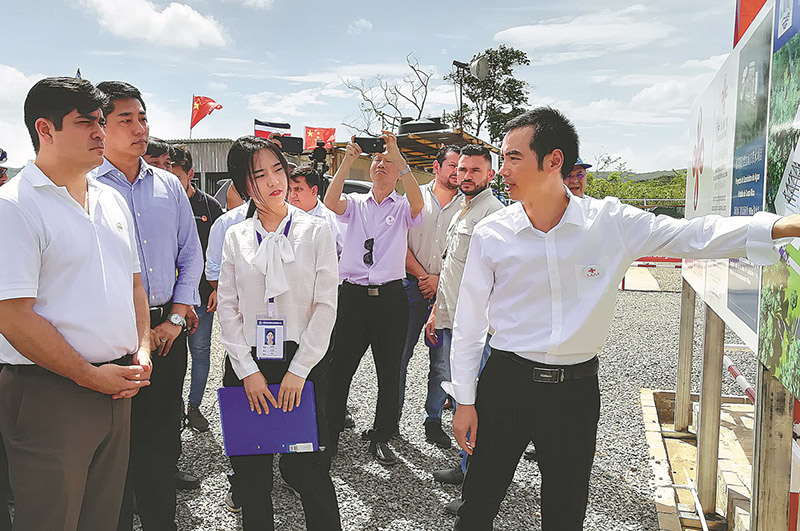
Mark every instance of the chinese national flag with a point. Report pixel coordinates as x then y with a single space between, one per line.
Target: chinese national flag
202 107
326 134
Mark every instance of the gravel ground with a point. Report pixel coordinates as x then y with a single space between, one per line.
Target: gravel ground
641 351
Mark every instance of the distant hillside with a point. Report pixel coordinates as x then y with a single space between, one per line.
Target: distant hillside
638 177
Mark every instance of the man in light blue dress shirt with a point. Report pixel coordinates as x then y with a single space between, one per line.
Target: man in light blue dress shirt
167 239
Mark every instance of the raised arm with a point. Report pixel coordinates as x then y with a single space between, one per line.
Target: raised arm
333 197
410 184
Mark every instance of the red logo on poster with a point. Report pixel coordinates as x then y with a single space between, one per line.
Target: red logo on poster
697 163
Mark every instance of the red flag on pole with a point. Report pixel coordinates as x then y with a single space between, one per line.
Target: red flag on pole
326 134
202 107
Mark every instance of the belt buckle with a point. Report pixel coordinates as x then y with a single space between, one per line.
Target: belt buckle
373 292
548 375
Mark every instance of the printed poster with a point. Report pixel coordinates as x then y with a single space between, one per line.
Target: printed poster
747 193
779 319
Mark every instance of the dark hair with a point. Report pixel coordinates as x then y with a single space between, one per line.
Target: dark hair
551 130
180 155
240 161
53 98
475 150
311 176
157 147
444 150
119 90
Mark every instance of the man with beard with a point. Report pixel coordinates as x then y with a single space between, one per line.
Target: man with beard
426 244
474 175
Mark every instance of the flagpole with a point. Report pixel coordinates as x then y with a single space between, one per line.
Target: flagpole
190 119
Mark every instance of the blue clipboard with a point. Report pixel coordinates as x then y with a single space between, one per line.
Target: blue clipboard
245 432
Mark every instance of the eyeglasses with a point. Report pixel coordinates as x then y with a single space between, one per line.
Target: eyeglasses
368 245
577 175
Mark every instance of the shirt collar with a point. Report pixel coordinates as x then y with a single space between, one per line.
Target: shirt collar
429 187
107 168
36 177
317 208
291 211
483 195
392 196
573 215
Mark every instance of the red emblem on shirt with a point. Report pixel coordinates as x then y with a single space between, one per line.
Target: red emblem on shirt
591 271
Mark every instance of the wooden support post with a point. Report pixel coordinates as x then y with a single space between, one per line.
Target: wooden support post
683 402
772 454
710 403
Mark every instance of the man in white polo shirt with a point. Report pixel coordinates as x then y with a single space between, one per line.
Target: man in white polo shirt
74 320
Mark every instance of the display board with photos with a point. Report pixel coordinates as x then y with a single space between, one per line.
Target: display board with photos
744 159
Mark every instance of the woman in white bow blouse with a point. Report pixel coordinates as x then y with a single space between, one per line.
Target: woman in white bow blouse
279 262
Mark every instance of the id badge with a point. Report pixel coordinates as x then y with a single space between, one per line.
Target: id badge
269 338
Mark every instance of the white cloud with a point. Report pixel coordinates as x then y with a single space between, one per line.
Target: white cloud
165 121
234 60
213 85
359 25
176 25
14 136
352 72
276 106
255 4
106 53
444 94
586 36
713 63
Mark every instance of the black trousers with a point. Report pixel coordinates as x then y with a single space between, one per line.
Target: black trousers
156 416
362 321
307 473
560 419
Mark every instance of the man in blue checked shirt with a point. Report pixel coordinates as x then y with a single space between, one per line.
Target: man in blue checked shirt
167 239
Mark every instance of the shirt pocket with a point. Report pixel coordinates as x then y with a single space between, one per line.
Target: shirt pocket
460 246
589 280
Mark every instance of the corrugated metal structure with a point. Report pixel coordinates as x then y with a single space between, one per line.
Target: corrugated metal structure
209 160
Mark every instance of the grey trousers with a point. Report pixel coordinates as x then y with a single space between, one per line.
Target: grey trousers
67 451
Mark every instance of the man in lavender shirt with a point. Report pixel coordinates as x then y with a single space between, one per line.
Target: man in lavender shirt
167 239
373 308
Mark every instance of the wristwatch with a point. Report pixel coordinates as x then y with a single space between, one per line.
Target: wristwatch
406 170
176 319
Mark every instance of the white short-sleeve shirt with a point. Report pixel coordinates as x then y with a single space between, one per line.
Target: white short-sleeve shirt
78 266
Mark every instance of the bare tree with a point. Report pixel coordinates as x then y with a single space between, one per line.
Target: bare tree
384 101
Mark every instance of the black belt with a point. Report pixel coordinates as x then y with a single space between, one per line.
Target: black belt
375 290
124 361
544 373
158 314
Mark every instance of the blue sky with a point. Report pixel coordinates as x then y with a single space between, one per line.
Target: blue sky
627 74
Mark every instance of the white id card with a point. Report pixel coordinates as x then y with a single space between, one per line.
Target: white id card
269 338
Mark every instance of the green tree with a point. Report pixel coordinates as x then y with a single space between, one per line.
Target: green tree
495 100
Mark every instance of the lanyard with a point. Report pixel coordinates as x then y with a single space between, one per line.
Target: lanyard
271 304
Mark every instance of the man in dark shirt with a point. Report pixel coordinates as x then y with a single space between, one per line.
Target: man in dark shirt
206 210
